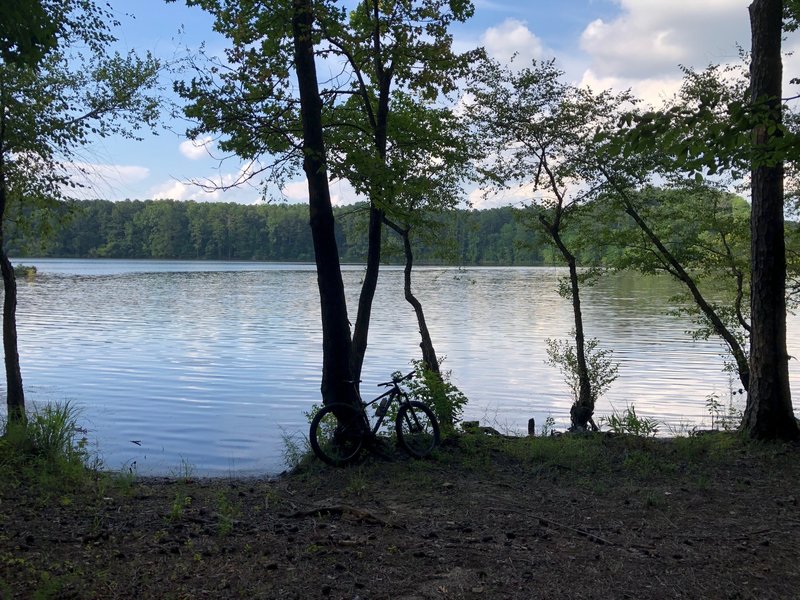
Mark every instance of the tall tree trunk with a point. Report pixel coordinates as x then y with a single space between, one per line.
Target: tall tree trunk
336 342
583 409
15 393
768 414
368 286
429 358
379 120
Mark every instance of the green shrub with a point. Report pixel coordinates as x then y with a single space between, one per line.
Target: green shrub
56 435
438 392
25 271
601 368
50 445
630 423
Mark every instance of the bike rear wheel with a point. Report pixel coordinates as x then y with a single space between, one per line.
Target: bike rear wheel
337 434
417 429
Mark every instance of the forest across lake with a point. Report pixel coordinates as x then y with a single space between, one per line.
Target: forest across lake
167 229
214 363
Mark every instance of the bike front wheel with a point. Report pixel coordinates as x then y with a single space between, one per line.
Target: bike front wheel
337 434
417 429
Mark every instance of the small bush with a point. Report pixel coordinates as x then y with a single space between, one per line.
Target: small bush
56 435
51 445
296 450
438 392
25 271
630 423
601 369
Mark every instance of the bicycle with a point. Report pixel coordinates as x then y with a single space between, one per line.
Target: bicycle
340 431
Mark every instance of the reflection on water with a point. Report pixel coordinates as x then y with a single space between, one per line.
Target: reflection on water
212 363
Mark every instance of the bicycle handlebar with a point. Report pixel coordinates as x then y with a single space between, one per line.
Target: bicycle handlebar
397 380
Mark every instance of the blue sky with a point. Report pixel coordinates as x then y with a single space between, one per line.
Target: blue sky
619 44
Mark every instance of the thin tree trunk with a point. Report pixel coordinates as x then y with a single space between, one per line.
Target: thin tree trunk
677 270
336 342
583 409
768 414
368 286
380 123
15 393
429 358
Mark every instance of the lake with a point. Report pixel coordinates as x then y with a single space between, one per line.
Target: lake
211 364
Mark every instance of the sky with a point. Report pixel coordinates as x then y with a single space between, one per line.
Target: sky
619 44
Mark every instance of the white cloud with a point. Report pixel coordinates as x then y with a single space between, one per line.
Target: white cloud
652 37
296 191
642 48
509 38
187 190
170 190
196 149
651 91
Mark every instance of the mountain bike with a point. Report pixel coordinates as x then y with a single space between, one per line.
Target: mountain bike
340 431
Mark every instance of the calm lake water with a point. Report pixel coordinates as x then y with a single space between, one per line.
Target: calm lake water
212 363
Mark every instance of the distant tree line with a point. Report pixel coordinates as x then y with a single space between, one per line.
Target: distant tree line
168 229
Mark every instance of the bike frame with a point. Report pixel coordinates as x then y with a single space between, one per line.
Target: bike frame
395 393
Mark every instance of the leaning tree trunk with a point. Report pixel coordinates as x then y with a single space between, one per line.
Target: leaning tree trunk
429 359
583 408
768 414
336 342
677 271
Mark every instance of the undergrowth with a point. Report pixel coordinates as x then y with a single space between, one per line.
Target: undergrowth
50 448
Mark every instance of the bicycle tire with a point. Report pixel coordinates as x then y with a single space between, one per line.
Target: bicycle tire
417 429
337 434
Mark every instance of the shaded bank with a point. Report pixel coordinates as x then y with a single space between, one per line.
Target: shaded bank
686 518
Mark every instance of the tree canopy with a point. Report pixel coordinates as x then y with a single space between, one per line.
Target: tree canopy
60 87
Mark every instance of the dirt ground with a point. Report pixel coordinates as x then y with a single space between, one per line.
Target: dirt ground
487 518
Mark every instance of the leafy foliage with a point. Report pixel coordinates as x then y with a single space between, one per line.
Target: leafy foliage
706 231
630 423
248 99
76 91
602 370
706 129
440 393
26 33
724 415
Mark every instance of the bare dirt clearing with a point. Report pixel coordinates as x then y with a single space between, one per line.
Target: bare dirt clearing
594 517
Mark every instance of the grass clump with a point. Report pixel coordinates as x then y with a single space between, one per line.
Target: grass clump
50 448
629 423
